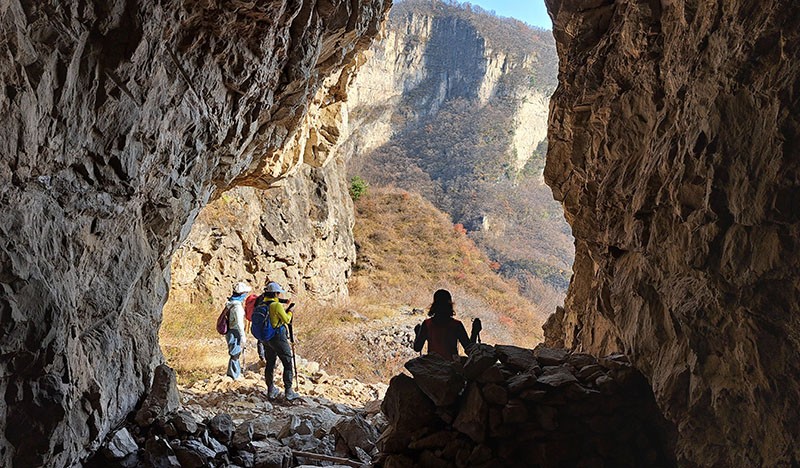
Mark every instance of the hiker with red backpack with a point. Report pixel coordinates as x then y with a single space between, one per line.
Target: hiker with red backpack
270 326
442 331
235 334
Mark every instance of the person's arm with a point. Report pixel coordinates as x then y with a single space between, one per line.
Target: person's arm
422 335
283 316
476 330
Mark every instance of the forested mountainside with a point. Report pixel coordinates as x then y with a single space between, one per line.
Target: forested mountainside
452 103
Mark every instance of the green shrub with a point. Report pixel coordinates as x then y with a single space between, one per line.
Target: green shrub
358 187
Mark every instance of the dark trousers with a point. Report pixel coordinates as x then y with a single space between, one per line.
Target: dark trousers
279 347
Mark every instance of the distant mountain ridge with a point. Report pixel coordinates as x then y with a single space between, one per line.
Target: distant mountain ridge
452 103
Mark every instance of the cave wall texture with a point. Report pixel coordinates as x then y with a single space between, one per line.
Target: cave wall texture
121 119
673 146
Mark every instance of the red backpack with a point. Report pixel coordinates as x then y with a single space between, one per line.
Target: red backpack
222 321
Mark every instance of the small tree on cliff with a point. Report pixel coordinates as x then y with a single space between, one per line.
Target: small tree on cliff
358 187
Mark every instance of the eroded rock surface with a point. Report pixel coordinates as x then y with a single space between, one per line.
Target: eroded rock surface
120 121
561 410
298 234
673 147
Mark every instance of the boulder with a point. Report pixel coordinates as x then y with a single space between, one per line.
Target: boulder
521 382
193 454
473 417
407 409
243 435
550 356
356 432
494 374
556 376
516 358
221 427
184 422
290 427
120 445
480 358
271 454
437 378
162 399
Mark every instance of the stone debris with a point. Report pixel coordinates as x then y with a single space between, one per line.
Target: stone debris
120 445
542 407
163 397
220 422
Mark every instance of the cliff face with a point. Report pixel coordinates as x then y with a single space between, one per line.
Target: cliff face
121 120
299 233
673 147
452 103
433 53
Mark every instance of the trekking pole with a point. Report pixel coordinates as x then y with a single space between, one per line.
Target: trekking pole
294 355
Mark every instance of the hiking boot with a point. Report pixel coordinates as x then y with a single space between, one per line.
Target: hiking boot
273 393
291 394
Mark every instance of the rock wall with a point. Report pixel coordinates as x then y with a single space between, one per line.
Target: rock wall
415 68
299 233
673 147
543 407
120 121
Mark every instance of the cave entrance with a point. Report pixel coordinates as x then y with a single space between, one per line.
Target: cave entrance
435 182
360 291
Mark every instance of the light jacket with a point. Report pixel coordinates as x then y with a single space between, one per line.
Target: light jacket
235 306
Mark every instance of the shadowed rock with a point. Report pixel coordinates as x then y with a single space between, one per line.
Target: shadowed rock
437 378
162 399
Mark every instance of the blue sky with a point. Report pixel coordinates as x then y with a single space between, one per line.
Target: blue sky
530 11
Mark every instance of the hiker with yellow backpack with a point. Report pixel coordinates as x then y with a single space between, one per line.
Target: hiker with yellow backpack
270 326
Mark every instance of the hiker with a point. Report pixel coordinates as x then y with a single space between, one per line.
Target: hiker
236 335
249 306
278 346
442 331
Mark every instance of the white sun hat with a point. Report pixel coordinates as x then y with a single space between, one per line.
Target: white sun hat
241 287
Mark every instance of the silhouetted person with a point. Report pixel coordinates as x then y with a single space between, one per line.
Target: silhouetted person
442 331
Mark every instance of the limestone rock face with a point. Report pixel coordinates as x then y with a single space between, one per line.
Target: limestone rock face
121 119
416 67
298 233
673 147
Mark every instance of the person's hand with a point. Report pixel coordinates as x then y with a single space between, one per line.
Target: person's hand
416 329
476 325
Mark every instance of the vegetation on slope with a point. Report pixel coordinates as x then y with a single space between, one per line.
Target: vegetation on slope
461 156
407 249
509 34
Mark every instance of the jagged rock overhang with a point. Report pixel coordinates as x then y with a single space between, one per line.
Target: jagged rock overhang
121 120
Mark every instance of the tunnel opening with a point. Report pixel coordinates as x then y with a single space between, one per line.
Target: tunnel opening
672 147
360 298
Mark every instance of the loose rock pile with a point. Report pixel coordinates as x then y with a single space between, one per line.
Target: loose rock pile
220 422
509 406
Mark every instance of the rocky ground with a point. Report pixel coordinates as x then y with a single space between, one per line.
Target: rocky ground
499 406
221 422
